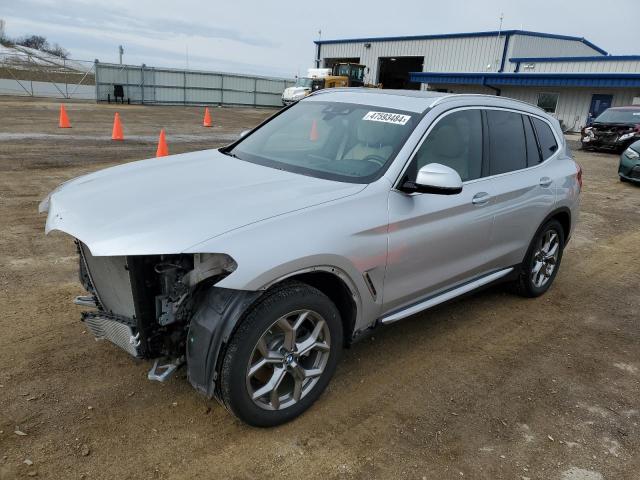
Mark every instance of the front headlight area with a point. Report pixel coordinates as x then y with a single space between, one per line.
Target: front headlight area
631 154
144 303
628 136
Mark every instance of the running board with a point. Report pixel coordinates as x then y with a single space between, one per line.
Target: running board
443 297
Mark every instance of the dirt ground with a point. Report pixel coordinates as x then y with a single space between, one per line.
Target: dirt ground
489 387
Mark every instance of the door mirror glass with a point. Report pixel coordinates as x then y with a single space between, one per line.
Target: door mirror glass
435 178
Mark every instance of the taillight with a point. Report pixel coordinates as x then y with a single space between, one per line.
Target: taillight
579 175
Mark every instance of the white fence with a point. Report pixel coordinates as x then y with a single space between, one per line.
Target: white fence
28 72
148 85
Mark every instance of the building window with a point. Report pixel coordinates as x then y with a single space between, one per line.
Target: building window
548 101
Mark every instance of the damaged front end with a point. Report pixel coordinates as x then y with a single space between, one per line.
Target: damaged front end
144 303
609 137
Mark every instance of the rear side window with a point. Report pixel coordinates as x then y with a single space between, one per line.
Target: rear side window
507 144
548 144
533 154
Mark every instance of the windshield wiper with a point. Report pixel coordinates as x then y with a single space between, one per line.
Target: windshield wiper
229 153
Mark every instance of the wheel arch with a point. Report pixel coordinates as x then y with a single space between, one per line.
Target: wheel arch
563 216
335 284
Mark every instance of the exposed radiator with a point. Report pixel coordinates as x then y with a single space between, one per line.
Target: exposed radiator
116 332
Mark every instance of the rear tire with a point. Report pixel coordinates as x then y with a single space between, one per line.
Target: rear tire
541 264
282 356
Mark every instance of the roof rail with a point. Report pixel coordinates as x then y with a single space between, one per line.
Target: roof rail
482 95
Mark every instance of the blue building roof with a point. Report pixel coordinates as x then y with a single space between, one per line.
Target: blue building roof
599 58
507 33
530 79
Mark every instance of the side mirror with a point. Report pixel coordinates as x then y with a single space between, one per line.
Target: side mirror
435 178
244 133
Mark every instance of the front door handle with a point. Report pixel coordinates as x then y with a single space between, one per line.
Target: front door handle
481 198
545 182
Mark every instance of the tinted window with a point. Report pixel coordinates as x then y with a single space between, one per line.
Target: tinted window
455 141
507 146
533 154
547 141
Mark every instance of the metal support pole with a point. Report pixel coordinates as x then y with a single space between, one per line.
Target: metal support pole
255 92
221 89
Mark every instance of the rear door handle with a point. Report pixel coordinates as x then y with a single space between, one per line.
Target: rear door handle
481 198
545 182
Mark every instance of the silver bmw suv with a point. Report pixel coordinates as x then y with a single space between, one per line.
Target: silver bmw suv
254 265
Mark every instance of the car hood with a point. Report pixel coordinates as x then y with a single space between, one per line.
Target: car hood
613 127
166 205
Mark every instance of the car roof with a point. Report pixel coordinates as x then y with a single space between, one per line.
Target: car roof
412 100
407 100
626 107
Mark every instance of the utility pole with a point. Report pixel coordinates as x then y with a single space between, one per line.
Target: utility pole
317 59
120 52
497 49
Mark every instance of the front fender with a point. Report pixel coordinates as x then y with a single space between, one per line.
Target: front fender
218 311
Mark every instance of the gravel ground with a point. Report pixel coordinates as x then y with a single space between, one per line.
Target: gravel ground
489 387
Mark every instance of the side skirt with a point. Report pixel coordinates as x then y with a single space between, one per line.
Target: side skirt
444 296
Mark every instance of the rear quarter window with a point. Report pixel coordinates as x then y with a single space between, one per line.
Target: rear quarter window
533 154
546 139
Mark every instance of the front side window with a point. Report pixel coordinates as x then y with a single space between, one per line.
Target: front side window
507 145
337 141
548 101
455 141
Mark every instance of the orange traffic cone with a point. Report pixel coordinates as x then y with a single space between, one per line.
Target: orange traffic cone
207 118
63 122
117 128
313 135
162 150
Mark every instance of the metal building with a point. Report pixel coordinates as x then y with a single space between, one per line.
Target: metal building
569 77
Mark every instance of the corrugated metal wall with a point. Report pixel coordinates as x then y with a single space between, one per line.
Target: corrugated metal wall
467 54
573 103
530 46
464 54
600 66
188 87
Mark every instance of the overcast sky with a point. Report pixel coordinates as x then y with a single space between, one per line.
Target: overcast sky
273 37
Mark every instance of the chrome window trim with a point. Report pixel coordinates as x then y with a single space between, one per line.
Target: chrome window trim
396 183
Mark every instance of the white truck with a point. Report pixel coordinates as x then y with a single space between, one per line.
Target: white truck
305 85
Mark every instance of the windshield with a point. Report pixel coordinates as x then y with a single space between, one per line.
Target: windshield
619 116
304 82
336 141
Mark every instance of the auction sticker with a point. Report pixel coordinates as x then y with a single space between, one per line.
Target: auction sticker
387 117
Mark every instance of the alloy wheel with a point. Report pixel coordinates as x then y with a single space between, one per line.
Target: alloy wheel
545 258
288 360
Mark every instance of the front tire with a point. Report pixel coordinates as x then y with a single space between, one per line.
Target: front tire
282 356
541 264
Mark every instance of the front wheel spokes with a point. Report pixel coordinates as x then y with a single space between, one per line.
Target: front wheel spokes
271 387
311 342
291 330
282 369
